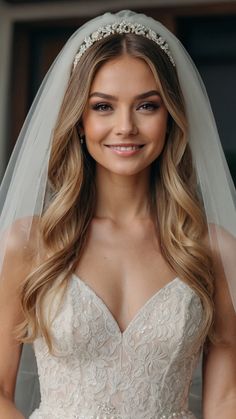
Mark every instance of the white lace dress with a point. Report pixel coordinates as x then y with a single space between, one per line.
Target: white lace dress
143 373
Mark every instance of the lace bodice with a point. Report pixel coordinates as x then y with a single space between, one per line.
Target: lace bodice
143 373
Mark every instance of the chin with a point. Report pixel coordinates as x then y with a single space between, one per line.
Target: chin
127 171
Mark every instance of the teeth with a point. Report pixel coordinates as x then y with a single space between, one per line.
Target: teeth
123 148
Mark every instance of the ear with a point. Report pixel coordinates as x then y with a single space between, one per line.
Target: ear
169 124
80 129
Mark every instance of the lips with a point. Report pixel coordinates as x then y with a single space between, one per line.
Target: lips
125 147
125 150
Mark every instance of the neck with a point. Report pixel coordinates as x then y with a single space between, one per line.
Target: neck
122 198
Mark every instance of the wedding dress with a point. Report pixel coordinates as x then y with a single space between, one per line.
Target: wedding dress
101 372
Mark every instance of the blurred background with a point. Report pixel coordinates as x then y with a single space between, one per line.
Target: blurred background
33 32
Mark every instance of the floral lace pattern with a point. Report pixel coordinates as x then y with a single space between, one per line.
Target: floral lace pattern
102 373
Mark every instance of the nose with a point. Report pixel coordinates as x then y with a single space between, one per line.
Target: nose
125 123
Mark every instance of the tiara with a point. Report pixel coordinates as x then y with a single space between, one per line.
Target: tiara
122 27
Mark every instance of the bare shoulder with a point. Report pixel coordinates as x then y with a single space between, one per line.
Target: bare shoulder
223 250
222 245
17 233
222 239
19 245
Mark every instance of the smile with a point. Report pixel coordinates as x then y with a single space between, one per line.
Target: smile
125 149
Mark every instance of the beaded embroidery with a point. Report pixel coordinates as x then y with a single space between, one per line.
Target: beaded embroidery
106 408
184 414
101 375
122 27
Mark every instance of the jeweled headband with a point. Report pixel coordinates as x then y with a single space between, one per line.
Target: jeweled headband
122 27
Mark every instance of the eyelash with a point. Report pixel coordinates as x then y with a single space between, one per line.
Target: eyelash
97 106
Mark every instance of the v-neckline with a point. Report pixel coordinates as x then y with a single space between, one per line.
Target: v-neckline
138 313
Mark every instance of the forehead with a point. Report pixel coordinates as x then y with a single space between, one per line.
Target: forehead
124 73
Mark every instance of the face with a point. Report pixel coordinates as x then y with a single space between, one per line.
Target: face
125 119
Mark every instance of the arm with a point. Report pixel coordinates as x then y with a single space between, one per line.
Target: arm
10 350
15 269
8 409
219 362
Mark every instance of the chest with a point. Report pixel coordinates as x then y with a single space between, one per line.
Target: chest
124 268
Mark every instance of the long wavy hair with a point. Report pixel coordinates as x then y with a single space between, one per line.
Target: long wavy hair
176 206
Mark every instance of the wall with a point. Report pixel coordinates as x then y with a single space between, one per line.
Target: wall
12 13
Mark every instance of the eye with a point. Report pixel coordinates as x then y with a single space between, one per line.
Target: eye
101 107
149 106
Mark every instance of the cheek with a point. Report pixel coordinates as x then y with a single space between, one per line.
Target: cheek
94 128
157 128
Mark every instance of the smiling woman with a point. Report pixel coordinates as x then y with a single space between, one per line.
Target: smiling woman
123 253
127 124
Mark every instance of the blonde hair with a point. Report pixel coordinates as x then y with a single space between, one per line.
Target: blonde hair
180 222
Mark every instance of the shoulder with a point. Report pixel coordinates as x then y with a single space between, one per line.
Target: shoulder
222 246
223 251
19 248
221 239
22 235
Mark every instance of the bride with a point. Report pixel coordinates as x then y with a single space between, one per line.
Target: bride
117 256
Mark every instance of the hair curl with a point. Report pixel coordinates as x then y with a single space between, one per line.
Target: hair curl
178 215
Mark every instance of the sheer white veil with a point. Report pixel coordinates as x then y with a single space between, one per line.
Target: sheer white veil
23 188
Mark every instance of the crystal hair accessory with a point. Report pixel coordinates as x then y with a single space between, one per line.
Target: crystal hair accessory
122 27
26 191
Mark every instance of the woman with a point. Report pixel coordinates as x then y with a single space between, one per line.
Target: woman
120 271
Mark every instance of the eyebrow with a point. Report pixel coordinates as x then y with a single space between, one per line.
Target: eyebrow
141 96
